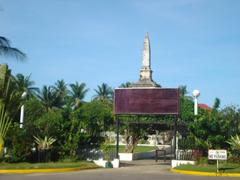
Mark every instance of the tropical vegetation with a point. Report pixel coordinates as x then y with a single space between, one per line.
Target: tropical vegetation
57 119
60 123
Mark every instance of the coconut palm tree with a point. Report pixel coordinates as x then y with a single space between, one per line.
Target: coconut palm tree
10 97
62 91
183 90
104 92
7 50
25 84
5 123
9 104
48 97
78 92
125 85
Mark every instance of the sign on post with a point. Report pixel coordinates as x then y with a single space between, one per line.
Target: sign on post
219 154
146 101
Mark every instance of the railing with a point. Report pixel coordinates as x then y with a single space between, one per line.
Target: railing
95 154
188 154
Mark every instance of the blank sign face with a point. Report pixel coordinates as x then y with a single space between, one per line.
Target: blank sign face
156 101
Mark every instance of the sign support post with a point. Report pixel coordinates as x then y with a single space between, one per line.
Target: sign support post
146 101
217 154
175 137
117 140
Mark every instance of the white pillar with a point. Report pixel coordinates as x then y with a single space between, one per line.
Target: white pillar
21 116
195 106
196 93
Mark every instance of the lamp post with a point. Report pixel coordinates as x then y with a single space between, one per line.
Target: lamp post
195 94
24 94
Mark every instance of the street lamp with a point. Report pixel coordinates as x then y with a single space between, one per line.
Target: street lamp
24 94
195 94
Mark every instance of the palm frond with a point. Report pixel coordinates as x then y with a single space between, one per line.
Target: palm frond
234 142
44 143
103 92
12 52
4 41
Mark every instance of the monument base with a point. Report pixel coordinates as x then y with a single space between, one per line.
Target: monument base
146 83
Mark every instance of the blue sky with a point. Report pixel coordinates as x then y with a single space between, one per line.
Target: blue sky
194 42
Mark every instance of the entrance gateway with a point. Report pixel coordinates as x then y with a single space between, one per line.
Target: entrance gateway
146 98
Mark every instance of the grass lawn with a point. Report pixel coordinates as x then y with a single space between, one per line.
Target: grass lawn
25 165
223 167
137 149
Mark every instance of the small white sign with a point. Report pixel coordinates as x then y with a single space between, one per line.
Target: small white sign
220 154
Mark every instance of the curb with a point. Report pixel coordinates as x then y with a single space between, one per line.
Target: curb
53 170
200 173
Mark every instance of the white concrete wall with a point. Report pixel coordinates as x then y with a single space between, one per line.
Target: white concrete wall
101 162
175 163
134 156
125 156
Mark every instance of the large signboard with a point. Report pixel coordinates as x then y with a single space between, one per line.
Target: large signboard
156 101
220 154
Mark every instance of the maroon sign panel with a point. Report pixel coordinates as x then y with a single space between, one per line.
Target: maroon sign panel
157 101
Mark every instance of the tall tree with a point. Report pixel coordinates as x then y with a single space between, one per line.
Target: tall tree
78 92
5 123
48 97
104 92
9 102
25 84
10 97
183 90
216 104
62 91
7 50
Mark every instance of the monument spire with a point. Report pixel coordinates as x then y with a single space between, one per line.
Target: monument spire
145 79
146 52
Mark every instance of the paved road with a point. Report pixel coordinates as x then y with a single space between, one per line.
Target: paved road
149 172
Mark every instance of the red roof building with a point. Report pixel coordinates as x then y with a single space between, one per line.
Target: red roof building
205 107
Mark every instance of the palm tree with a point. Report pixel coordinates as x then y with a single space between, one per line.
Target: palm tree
61 90
48 97
78 92
183 90
9 103
10 97
7 50
125 85
104 92
216 104
24 84
5 123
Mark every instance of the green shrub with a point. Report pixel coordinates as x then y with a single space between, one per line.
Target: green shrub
202 160
107 148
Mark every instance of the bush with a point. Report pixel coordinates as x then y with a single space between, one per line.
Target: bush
18 144
233 157
107 149
202 160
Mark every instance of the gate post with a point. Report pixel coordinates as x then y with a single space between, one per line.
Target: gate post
117 140
175 137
